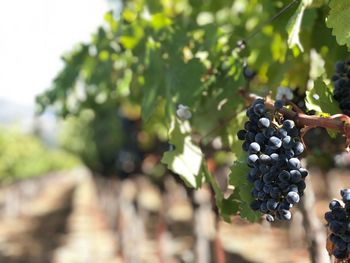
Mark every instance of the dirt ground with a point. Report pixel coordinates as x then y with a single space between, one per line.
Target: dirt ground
71 217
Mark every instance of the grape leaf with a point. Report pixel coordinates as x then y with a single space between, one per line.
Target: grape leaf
229 206
226 206
239 170
338 19
245 211
243 188
153 86
320 99
183 80
293 27
186 159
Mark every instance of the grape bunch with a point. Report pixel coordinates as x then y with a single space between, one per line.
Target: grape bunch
338 219
341 83
275 170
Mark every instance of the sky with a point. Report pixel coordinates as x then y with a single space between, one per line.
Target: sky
33 36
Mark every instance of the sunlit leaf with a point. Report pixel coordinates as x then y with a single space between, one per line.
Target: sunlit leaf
320 99
338 19
186 159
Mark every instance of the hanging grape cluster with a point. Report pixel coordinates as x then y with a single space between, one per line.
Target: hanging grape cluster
275 169
341 83
338 219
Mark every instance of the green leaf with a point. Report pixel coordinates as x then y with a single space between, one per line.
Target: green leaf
226 206
245 211
183 80
338 19
239 171
320 99
186 160
154 87
160 21
229 206
293 27
243 189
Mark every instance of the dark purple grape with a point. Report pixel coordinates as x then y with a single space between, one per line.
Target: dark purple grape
265 159
252 159
329 217
294 163
287 142
248 73
264 122
298 148
275 142
295 176
270 218
303 172
255 205
293 198
254 147
334 204
285 214
259 109
260 138
278 104
284 176
272 204
288 124
241 134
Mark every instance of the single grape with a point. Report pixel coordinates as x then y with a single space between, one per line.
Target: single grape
255 205
248 73
346 197
278 104
298 148
260 138
264 122
329 217
275 142
293 197
284 176
295 176
294 163
241 134
252 159
272 204
285 214
334 204
265 159
254 147
344 191
270 218
288 124
259 109
303 172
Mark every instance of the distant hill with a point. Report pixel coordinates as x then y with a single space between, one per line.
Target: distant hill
23 117
11 112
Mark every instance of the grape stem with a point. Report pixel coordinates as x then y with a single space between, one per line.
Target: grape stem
338 122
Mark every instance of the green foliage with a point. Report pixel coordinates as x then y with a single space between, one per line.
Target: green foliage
24 156
187 158
159 54
320 99
338 20
293 27
243 188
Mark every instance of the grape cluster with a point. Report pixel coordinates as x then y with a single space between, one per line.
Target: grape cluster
341 83
338 219
273 152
